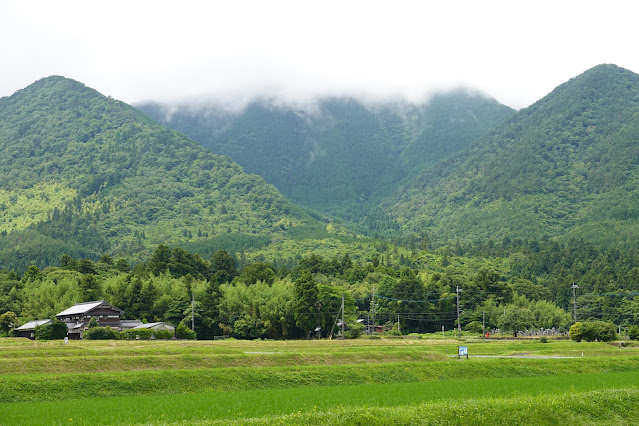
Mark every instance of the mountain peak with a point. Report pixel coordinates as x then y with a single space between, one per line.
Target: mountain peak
605 77
550 169
55 94
55 83
85 174
603 84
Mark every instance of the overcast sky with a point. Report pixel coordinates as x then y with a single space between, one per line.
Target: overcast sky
514 51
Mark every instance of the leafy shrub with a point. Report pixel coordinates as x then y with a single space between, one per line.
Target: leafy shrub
183 332
576 332
602 331
474 327
53 331
543 339
633 332
8 321
101 333
354 331
248 327
137 333
163 334
590 331
391 330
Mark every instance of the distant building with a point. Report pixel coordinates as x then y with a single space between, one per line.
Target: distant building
156 326
369 327
77 317
28 330
129 324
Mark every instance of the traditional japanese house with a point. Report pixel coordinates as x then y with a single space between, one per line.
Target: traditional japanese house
77 317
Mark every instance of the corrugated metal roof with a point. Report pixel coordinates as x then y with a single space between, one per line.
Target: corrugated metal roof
131 322
148 325
31 325
153 325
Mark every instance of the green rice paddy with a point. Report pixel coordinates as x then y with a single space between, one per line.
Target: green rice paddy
317 382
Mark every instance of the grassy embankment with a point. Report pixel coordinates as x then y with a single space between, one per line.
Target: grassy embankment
366 381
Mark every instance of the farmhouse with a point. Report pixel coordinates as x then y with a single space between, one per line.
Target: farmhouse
77 317
28 330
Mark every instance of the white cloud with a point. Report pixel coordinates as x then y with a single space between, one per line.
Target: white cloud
514 51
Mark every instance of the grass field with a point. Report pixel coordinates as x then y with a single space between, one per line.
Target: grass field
317 382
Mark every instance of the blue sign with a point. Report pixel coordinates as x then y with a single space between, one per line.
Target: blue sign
463 351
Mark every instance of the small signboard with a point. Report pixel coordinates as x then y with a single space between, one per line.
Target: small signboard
66 340
463 351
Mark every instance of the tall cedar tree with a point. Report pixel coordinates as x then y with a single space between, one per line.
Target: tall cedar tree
306 298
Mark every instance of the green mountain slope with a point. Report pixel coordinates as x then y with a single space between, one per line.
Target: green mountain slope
565 166
342 157
85 175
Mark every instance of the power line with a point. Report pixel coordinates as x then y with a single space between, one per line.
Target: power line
415 301
610 294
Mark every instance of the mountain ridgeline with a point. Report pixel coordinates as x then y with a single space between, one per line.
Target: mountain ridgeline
566 167
85 175
339 157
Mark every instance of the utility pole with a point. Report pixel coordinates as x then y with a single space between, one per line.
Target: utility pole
373 307
574 300
483 323
343 326
192 312
399 329
458 290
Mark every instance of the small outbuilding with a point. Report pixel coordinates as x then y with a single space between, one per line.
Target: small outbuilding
157 326
369 327
129 324
28 330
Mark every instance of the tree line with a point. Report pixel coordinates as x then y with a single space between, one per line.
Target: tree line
405 292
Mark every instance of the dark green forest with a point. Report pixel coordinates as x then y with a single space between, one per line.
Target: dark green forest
415 288
565 167
97 201
338 157
82 174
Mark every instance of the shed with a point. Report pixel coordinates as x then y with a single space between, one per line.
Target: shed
369 327
129 324
156 326
28 330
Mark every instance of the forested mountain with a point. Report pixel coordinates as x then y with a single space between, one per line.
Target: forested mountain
566 166
339 157
84 175
85 179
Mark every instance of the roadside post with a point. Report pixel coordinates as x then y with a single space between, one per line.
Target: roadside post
461 351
